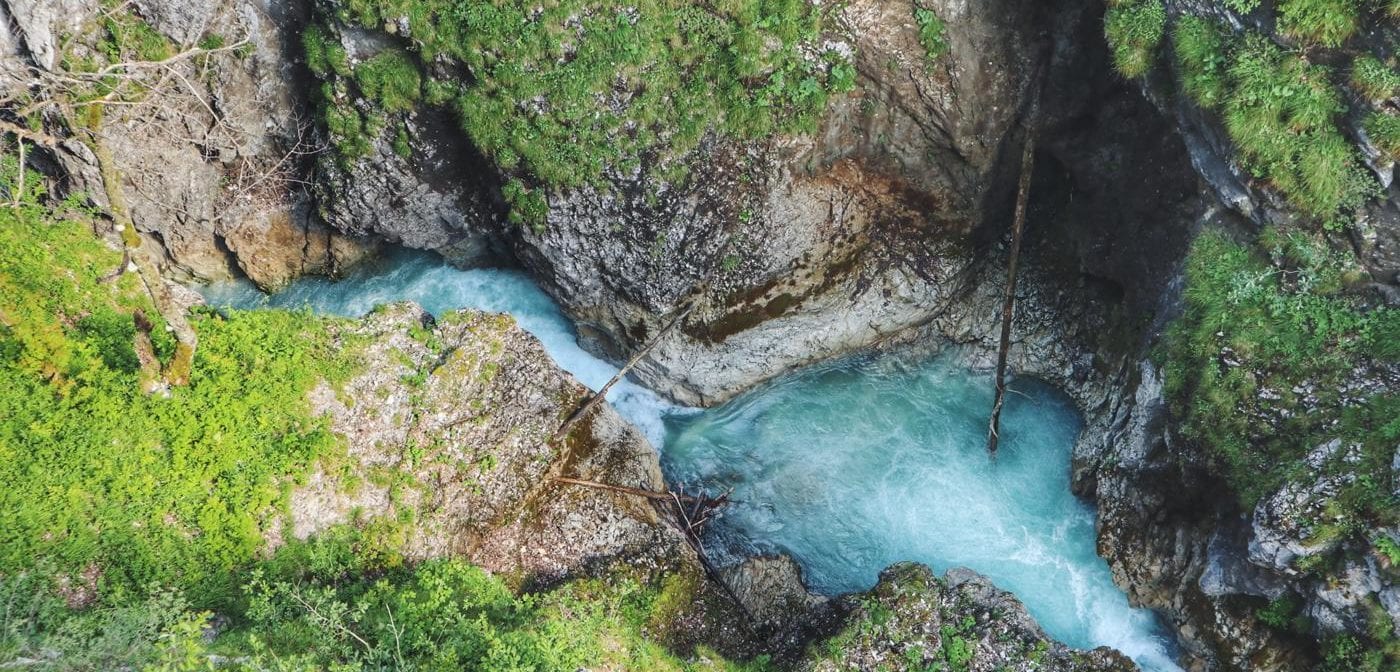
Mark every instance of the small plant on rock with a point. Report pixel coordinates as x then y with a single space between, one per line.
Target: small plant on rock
1134 29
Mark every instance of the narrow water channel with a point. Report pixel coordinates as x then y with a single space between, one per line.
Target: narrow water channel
848 466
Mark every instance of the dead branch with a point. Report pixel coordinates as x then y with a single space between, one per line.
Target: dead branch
120 269
25 134
649 494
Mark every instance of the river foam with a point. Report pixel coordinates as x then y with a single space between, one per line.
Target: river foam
848 466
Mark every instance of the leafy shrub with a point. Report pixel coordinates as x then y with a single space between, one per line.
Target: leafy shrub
1374 79
324 604
1345 653
957 651
1134 28
1285 614
157 632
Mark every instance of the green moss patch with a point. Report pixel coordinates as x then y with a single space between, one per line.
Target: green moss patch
557 93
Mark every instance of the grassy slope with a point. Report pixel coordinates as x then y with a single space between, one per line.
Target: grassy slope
149 508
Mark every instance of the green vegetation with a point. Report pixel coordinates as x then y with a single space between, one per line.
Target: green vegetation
324 55
931 32
1256 373
167 488
1281 112
1242 6
1325 22
130 511
1384 131
1374 79
1285 614
527 206
957 650
1199 45
322 605
126 37
557 94
1134 29
1259 336
391 80
1346 653
157 632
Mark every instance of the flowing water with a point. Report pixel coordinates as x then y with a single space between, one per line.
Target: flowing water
848 466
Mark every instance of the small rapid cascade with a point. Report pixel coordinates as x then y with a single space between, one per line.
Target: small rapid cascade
848 466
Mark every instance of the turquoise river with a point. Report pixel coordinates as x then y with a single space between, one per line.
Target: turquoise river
848 466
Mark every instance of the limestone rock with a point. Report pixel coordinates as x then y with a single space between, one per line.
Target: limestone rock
460 410
183 21
1283 522
40 24
771 590
913 620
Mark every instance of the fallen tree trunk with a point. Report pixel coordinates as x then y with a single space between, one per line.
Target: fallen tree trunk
1008 305
602 392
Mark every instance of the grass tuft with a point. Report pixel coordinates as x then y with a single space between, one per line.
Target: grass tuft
1134 29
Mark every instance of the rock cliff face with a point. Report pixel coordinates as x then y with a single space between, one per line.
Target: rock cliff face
214 160
795 249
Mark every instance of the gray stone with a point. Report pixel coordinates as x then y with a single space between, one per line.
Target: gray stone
183 21
1340 605
41 23
1229 572
771 589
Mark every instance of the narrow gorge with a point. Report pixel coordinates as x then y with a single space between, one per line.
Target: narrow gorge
296 293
